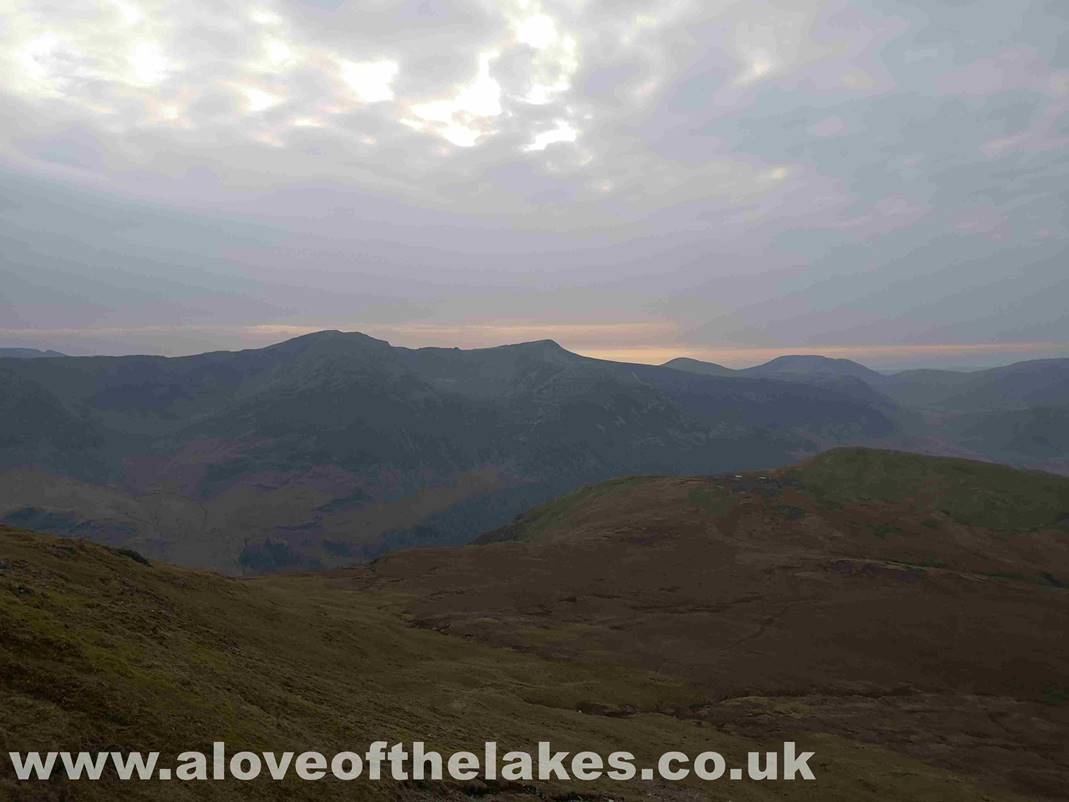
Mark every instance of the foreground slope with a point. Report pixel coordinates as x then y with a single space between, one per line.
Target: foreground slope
99 651
915 603
902 616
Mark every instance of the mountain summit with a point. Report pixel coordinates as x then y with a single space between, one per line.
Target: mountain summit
813 365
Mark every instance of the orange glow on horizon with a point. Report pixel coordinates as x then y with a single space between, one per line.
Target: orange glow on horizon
643 342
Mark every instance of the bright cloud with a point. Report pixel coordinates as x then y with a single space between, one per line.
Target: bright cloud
468 115
124 51
148 64
370 81
258 100
562 132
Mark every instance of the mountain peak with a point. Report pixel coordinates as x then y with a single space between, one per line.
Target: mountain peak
542 345
810 360
690 365
331 336
813 364
549 349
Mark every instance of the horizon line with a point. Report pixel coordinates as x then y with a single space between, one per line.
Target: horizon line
481 335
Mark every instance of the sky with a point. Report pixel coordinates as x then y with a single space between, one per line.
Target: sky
881 180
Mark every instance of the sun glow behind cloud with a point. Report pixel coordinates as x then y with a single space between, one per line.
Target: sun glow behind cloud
148 64
556 59
370 81
127 50
468 115
561 132
258 100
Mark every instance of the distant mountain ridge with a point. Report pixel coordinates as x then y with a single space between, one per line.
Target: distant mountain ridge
28 353
1017 413
1037 382
336 447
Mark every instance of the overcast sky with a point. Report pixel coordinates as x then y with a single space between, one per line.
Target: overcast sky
727 180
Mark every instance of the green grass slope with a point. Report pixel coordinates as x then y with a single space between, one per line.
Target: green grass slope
101 651
976 493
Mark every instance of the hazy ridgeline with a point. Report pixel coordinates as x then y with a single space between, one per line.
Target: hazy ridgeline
333 448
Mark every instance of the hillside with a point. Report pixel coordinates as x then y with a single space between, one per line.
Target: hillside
1036 383
917 647
791 367
334 448
891 598
100 651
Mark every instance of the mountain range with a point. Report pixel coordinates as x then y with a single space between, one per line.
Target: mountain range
1017 414
901 616
334 447
27 353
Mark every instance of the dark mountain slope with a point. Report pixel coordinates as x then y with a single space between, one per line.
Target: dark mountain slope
792 367
1014 414
1035 436
698 366
1036 383
333 447
842 376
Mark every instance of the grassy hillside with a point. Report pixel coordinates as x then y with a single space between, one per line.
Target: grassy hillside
98 650
914 639
899 600
979 494
101 651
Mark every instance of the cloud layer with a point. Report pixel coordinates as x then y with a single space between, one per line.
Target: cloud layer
716 175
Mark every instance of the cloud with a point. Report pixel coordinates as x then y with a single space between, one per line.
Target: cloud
784 170
130 64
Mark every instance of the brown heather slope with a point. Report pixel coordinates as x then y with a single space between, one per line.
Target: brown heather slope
913 603
918 653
